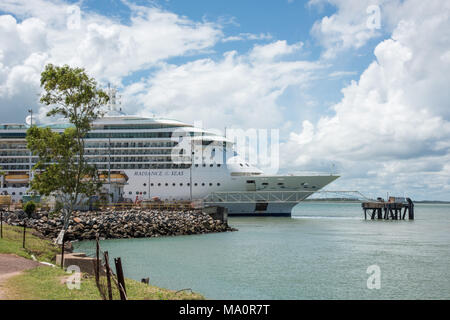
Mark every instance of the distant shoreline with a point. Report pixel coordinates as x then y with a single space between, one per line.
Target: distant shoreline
356 201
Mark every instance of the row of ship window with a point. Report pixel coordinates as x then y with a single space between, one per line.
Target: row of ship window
112 145
174 185
103 145
114 166
20 193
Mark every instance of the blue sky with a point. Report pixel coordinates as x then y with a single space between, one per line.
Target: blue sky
358 85
282 20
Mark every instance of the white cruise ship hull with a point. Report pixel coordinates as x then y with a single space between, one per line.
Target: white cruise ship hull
249 209
146 158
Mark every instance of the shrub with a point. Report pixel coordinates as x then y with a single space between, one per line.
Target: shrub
29 208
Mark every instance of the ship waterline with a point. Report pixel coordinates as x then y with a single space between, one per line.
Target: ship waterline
142 158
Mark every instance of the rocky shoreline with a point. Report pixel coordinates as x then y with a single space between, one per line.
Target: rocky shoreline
119 224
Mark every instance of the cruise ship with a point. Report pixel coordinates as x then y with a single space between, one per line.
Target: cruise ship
142 159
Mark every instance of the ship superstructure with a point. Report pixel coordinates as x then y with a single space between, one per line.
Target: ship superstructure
151 157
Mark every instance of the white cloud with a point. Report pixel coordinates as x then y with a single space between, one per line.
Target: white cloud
108 49
348 27
248 36
274 50
340 74
238 89
393 125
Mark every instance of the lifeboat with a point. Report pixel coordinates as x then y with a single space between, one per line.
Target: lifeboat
86 178
115 178
17 178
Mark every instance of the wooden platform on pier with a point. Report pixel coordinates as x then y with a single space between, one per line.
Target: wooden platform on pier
391 210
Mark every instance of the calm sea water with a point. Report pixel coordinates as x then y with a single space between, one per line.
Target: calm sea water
322 252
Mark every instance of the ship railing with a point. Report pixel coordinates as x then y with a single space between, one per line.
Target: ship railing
162 205
294 196
256 196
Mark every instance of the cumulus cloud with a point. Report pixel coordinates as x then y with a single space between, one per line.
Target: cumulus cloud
351 27
248 36
239 89
36 33
393 124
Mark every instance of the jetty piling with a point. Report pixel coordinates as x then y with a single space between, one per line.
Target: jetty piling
390 210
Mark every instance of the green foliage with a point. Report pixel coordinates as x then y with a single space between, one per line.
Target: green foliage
59 165
73 94
57 209
62 168
29 208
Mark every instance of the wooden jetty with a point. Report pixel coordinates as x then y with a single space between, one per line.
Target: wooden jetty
389 210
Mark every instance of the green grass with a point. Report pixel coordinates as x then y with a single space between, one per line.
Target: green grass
11 243
47 283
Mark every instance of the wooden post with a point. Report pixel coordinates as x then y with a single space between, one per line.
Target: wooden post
97 265
108 275
24 231
97 247
62 252
411 209
365 214
1 224
120 278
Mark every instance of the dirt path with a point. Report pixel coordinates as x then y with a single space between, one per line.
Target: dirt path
10 266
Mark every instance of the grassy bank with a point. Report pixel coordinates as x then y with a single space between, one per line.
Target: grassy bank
47 283
11 243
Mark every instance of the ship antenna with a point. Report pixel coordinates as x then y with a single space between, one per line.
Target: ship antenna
114 99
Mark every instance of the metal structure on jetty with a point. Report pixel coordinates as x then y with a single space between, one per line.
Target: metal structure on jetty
392 209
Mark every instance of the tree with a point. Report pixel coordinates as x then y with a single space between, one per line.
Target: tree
62 168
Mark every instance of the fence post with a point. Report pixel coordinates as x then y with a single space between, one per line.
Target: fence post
62 252
97 266
108 275
97 247
1 223
24 231
120 278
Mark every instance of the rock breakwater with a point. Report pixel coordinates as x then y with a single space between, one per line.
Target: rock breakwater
112 224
